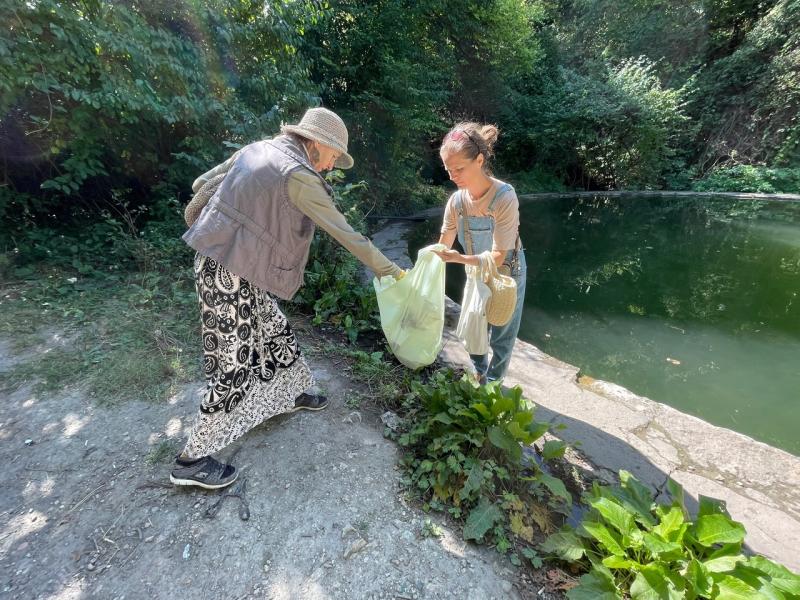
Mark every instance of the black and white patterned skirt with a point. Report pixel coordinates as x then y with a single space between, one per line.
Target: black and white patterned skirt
252 363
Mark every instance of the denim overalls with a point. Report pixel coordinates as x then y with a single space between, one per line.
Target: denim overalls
501 339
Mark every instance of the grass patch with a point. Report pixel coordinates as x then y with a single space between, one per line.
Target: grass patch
165 451
133 335
384 380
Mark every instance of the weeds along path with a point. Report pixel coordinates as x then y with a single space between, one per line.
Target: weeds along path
86 510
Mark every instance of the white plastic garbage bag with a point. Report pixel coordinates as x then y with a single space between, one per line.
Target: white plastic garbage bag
412 309
473 328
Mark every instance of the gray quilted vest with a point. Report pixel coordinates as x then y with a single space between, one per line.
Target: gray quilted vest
250 226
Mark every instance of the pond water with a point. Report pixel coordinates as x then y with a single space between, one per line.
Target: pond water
692 301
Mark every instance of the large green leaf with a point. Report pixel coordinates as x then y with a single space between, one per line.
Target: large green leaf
732 588
505 441
636 498
605 536
723 564
523 418
638 494
676 494
714 529
660 549
653 583
553 449
615 514
565 545
760 581
481 519
444 418
781 577
618 562
726 550
555 485
501 405
468 414
699 578
515 394
670 526
481 409
518 433
473 482
537 429
594 586
711 506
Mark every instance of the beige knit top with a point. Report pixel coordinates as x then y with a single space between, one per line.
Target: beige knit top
505 213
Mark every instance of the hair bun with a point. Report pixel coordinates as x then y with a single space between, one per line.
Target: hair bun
489 133
471 139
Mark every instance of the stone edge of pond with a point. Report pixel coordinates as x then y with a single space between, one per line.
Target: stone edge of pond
661 193
617 429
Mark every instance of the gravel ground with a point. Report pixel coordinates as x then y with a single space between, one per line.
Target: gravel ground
87 511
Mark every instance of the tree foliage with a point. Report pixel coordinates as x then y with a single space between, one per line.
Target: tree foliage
115 101
112 104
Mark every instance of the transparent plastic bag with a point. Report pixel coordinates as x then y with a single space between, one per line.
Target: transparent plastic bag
412 309
473 328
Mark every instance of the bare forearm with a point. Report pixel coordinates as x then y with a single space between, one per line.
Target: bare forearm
448 238
468 259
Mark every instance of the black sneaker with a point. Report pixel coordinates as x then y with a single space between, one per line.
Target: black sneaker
310 402
206 472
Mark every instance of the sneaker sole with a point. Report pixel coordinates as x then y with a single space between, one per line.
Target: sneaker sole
296 408
205 486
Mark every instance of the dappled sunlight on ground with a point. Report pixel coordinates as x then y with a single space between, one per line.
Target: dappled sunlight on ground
73 424
21 526
43 489
68 593
452 543
174 427
297 586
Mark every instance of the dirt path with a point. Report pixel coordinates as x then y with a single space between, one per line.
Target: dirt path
86 512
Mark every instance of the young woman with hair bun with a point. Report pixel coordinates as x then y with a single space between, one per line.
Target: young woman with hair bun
489 208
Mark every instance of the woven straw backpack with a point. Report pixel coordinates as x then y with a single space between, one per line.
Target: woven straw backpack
201 198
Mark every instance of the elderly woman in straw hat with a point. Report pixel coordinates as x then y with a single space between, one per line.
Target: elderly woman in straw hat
484 215
252 241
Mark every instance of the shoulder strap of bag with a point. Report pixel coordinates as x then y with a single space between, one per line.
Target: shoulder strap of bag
464 221
488 266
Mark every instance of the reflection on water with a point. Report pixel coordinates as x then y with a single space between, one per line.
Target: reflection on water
694 302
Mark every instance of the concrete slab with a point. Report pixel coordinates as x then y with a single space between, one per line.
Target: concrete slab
617 429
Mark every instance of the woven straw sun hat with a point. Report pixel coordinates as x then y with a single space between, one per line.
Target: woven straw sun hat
325 127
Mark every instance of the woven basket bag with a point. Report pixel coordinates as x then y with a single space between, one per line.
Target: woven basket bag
201 198
501 305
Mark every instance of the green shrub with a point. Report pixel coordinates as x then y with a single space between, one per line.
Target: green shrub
536 180
463 453
140 95
638 548
750 178
333 290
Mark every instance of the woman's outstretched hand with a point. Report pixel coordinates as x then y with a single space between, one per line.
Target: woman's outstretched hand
449 256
